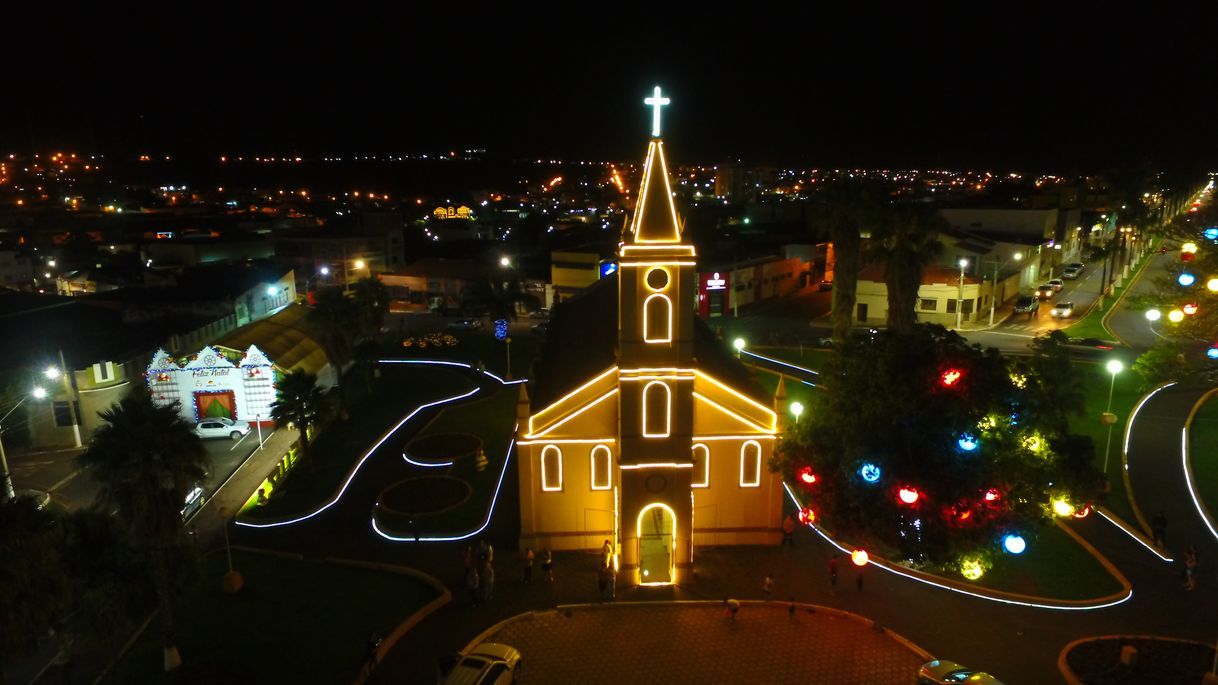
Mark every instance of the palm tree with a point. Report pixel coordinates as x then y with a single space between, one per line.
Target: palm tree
371 301
145 457
850 208
300 402
906 244
336 317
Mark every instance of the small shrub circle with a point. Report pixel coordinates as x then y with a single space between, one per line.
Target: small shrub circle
424 495
443 447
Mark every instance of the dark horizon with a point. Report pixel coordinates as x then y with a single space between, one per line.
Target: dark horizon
963 90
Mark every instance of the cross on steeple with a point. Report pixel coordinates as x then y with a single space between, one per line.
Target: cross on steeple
656 101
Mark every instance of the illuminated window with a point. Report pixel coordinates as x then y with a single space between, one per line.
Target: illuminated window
551 468
750 464
601 478
657 410
657 319
701 475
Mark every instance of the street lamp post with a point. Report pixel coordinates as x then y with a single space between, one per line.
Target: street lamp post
1114 367
61 373
960 296
994 285
9 493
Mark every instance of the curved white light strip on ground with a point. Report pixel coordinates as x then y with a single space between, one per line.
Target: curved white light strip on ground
1134 414
432 465
1188 478
375 447
925 581
779 361
1140 541
485 522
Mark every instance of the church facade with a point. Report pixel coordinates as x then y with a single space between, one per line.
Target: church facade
640 427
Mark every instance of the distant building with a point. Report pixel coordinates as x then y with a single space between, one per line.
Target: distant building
1057 235
16 269
723 287
194 250
939 296
432 284
320 257
571 272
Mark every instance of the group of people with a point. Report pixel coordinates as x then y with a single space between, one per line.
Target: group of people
480 572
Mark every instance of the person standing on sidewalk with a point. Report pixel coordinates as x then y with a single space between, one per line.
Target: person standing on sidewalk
767 586
528 565
788 531
488 581
1158 529
547 565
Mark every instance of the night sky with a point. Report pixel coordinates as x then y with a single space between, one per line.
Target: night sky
1021 89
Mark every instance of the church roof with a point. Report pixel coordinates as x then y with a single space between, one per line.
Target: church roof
655 215
582 342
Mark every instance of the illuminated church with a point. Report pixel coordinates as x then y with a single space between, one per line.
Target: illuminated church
639 426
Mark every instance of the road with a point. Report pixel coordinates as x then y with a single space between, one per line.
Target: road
55 471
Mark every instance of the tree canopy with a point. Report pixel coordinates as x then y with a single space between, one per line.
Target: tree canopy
979 442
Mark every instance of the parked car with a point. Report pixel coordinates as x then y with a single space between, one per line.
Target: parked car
1071 273
1026 304
541 329
490 663
539 314
1062 310
1057 284
465 325
1045 291
1090 343
221 427
944 672
193 502
824 286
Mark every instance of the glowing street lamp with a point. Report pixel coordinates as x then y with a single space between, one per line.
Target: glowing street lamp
505 262
739 344
797 410
7 492
360 264
960 296
1155 314
51 373
859 557
1114 367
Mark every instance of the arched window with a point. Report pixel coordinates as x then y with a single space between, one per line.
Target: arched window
701 475
602 478
750 464
657 410
551 468
657 319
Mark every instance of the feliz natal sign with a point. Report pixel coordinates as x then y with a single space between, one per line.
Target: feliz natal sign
244 391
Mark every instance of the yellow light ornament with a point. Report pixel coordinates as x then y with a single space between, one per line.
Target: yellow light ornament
1175 316
971 569
1062 508
1212 285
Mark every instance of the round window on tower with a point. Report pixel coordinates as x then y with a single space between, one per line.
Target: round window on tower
657 279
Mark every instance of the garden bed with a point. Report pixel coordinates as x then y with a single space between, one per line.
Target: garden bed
1159 662
443 447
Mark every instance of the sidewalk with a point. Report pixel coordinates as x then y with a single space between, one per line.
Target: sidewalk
234 492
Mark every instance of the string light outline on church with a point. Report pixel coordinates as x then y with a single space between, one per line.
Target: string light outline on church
663 449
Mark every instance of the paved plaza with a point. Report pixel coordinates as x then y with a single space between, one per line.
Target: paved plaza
696 643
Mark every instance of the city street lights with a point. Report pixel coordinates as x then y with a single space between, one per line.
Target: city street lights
738 343
797 410
1114 367
960 297
9 493
994 286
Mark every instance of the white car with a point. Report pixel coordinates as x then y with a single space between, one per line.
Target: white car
1062 310
221 428
944 672
489 663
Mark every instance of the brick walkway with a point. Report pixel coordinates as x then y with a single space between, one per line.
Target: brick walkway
695 643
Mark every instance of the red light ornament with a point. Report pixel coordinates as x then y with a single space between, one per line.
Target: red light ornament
1189 309
992 495
807 516
950 377
908 495
859 557
806 476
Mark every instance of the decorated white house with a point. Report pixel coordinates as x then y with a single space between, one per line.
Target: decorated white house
211 386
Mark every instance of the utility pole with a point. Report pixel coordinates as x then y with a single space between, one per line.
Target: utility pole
69 385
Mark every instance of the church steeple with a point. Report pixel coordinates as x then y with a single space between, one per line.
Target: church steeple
655 214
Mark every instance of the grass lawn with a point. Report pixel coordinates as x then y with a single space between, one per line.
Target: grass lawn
492 419
1091 325
339 445
1126 392
1203 451
294 622
1054 565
